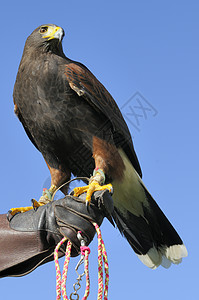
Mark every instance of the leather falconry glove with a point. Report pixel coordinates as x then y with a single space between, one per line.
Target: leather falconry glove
29 239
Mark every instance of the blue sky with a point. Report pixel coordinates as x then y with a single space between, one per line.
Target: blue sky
144 52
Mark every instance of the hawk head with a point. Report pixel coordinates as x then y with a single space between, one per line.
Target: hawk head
47 38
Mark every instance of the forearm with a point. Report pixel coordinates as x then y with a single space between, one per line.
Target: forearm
17 250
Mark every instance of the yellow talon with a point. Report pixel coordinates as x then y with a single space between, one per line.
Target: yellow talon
90 189
36 204
14 211
45 198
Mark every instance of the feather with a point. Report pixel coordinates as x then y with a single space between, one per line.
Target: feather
142 222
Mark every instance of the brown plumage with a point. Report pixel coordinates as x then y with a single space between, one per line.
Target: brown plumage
77 126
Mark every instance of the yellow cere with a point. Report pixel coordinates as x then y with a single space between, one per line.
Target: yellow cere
51 32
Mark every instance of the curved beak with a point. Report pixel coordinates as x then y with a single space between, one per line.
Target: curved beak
55 33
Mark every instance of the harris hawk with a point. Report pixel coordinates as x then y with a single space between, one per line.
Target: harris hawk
67 113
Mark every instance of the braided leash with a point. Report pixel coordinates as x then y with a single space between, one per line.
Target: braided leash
102 253
85 251
61 281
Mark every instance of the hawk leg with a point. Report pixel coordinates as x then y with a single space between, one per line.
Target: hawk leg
107 158
45 198
57 178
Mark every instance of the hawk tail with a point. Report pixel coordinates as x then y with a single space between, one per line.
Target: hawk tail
152 237
142 222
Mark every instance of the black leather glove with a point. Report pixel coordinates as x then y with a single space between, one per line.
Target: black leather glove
28 239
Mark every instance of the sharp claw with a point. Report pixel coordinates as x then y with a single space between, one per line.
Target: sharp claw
9 212
9 215
87 205
35 204
111 190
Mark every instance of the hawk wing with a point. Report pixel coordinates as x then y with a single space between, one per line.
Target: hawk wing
21 119
87 86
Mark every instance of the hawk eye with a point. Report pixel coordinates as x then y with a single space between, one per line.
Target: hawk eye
43 29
